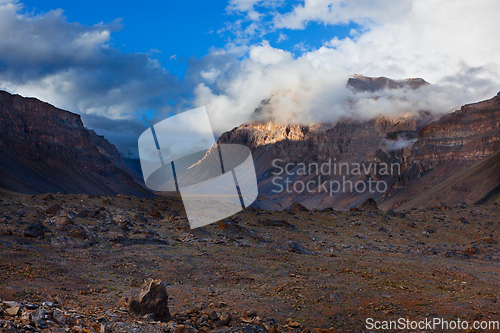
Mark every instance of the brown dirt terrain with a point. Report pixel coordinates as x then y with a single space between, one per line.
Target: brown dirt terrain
284 271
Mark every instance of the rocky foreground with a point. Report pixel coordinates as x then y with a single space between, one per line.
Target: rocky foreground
79 263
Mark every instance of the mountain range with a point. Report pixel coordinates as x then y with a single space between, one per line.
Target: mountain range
45 149
440 160
433 160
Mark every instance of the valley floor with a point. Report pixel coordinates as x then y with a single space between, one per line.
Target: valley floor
275 271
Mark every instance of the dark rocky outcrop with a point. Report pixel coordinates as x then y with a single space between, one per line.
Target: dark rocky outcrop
46 149
297 207
371 84
456 158
368 204
152 300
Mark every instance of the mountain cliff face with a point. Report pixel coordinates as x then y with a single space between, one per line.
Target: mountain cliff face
46 149
469 134
276 147
456 158
363 83
282 151
109 150
426 152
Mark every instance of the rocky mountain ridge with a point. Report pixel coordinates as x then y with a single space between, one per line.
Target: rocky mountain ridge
418 143
46 149
460 150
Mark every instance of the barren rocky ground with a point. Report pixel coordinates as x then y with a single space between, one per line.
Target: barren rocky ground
68 262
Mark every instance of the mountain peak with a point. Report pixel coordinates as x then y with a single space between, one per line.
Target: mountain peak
361 83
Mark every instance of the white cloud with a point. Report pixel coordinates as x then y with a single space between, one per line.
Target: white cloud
245 6
293 86
248 7
433 40
450 43
282 37
335 12
74 67
267 55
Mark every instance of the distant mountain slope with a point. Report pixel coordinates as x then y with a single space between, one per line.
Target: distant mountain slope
445 160
348 141
456 158
109 150
46 149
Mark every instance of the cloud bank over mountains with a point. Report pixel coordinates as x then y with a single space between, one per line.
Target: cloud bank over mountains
450 44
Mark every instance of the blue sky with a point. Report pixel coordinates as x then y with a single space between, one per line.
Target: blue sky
126 65
175 31
182 28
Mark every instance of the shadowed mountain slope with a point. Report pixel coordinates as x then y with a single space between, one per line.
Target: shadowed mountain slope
46 149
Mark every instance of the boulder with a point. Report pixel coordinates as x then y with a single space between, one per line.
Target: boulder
35 230
39 319
53 210
153 299
154 213
368 204
297 207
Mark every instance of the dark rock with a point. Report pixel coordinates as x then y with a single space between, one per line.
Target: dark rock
441 206
463 220
99 214
368 204
5 232
470 250
48 197
35 230
163 206
60 317
233 229
225 318
139 218
153 299
251 314
78 232
53 210
294 247
85 213
39 319
154 213
454 253
213 315
30 306
297 207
